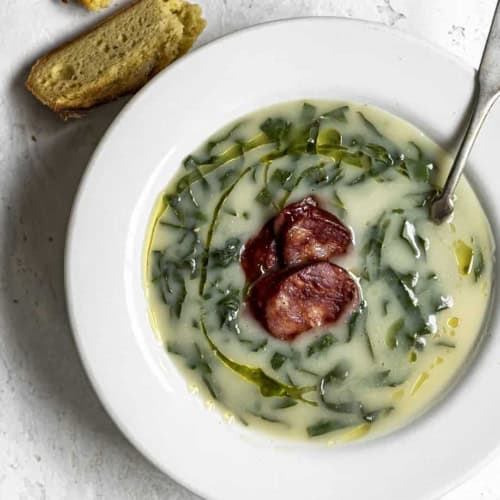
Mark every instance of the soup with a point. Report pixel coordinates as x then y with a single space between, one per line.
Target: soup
296 281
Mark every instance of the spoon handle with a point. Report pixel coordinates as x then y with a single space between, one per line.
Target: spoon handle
487 91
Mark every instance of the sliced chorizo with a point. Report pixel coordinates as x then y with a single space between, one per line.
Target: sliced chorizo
307 233
260 253
290 301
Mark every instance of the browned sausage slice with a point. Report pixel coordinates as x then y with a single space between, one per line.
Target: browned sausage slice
291 301
307 233
260 253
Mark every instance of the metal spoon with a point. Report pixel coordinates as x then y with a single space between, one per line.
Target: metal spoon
486 93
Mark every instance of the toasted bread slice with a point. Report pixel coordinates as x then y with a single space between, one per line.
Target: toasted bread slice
117 57
95 4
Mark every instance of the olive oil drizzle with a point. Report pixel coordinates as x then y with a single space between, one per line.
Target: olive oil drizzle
268 386
211 229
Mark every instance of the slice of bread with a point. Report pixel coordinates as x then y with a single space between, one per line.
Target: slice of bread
117 57
95 4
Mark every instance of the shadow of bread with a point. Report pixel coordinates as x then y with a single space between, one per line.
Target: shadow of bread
49 157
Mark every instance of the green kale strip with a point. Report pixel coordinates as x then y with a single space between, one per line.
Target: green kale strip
200 363
418 150
405 331
228 309
229 254
211 144
199 169
196 360
369 125
309 171
268 386
326 426
185 208
446 343
358 322
170 269
395 331
228 177
171 283
276 129
285 403
321 344
478 265
418 170
199 174
308 113
312 137
337 114
280 179
211 229
267 418
334 379
372 249
277 360
382 378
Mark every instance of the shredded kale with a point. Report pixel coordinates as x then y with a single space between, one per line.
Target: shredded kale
369 125
229 254
338 114
228 308
277 360
321 344
327 426
276 129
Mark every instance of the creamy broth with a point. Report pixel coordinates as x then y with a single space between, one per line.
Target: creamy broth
424 289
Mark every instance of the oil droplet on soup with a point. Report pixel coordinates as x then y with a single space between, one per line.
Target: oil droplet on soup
390 353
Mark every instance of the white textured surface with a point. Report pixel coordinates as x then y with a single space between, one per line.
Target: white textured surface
56 442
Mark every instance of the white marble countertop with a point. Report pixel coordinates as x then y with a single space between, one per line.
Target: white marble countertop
56 441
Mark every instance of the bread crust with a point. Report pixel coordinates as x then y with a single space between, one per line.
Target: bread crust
89 4
96 97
